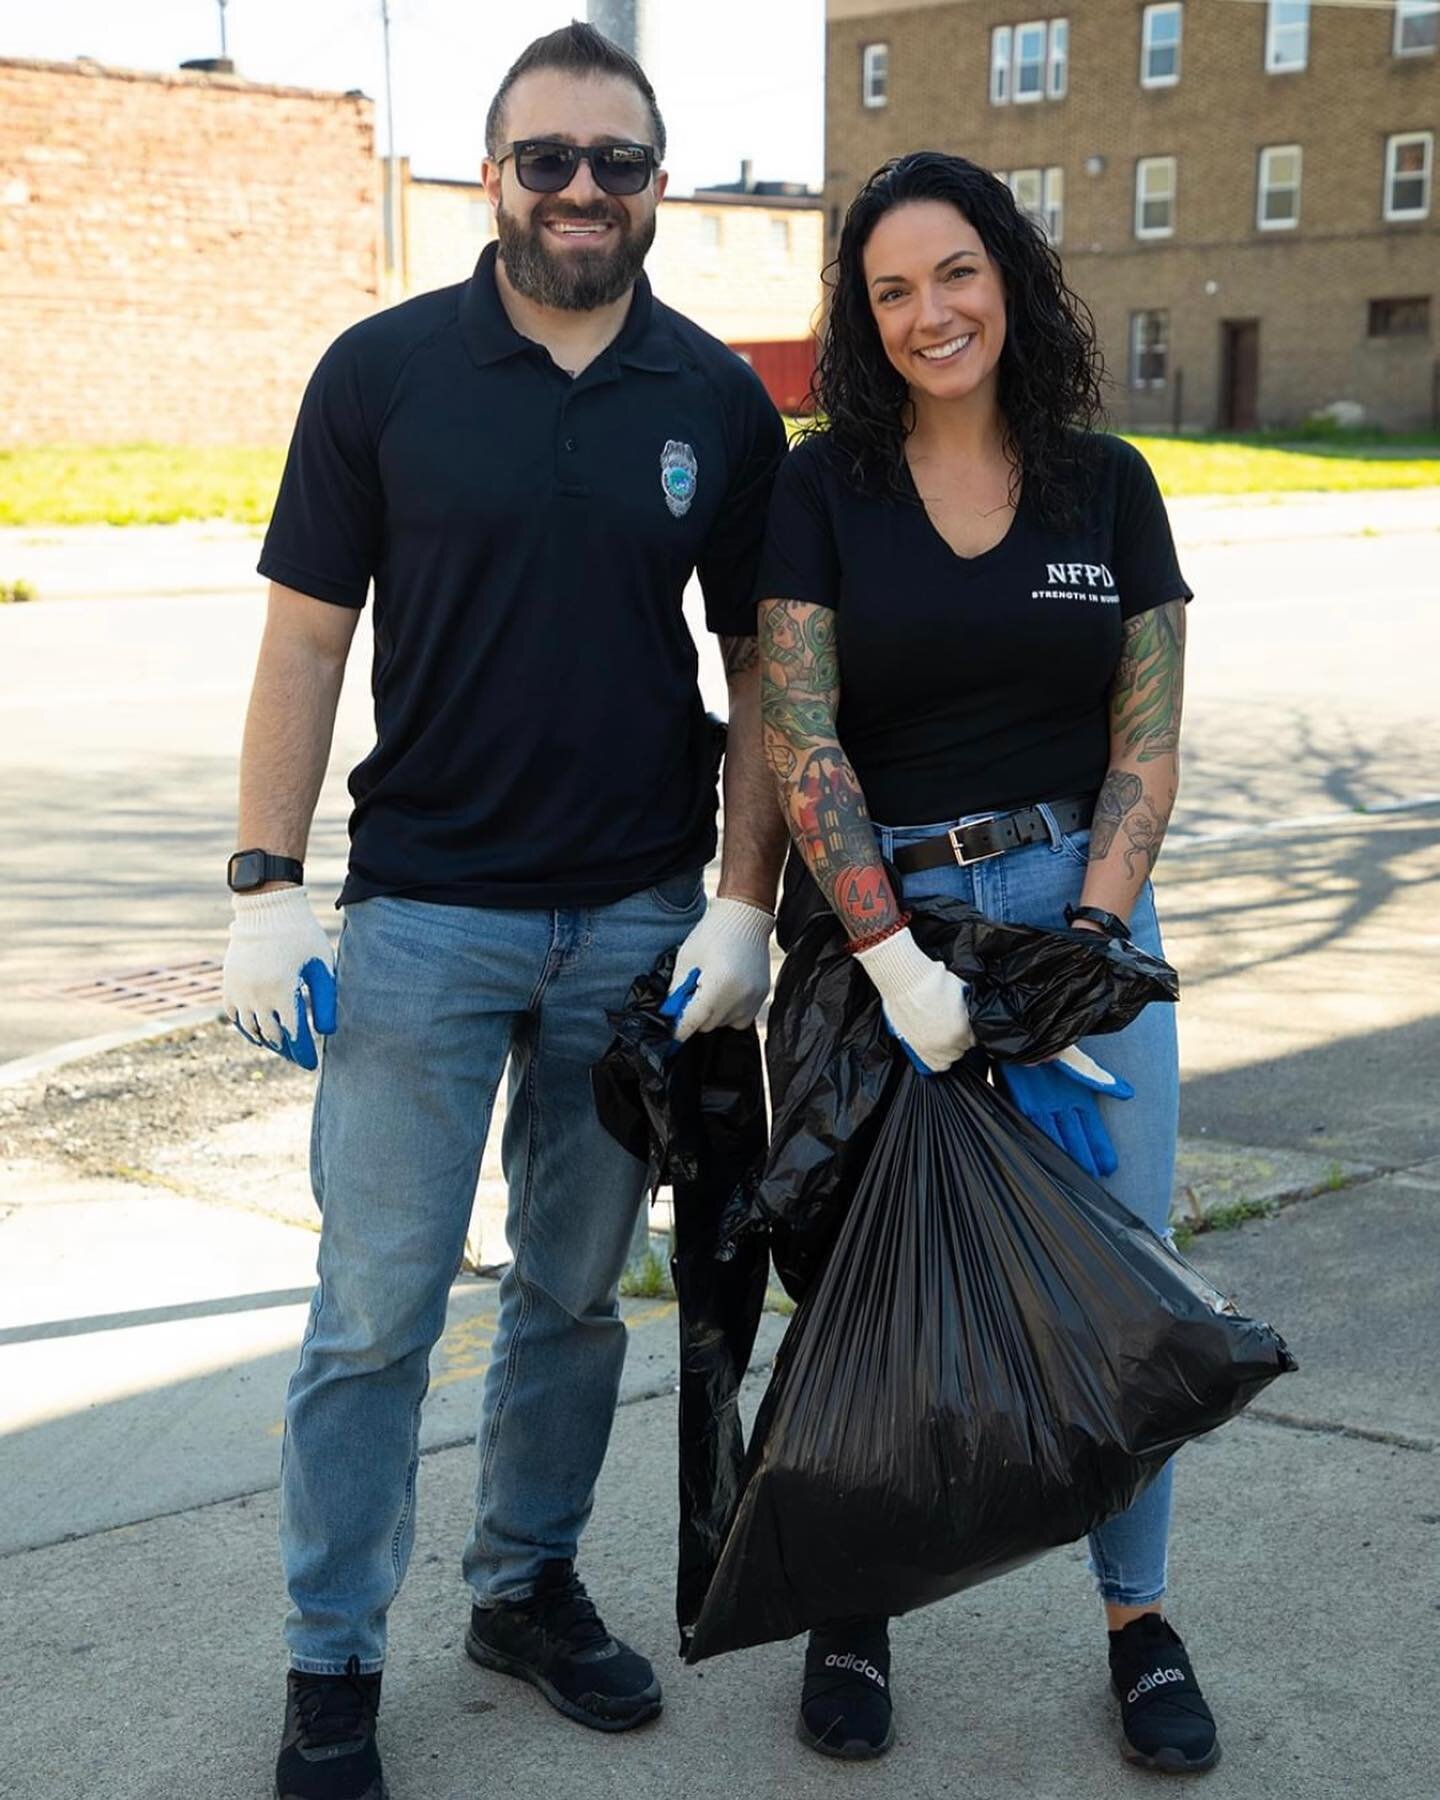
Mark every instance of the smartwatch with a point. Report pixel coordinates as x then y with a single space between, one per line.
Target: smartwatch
1110 923
250 869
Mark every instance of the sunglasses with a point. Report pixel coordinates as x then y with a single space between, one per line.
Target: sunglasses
545 167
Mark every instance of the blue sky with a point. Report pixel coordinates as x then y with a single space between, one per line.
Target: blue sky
736 78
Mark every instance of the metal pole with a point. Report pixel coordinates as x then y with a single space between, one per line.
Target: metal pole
389 146
224 44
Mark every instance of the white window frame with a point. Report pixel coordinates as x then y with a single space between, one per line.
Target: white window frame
1405 10
1053 203
1393 146
1143 165
875 75
780 240
1264 185
1000 41
1163 9
1278 34
1040 62
1057 61
1032 200
712 233
1136 322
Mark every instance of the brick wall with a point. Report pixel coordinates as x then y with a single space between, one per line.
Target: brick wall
1308 287
175 251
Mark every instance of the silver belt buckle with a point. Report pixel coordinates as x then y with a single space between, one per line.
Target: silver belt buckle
954 836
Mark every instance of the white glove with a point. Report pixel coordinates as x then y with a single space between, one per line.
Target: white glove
924 1002
277 947
722 970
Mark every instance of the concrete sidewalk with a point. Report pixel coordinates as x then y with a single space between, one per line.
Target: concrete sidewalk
150 1324
67 562
142 1663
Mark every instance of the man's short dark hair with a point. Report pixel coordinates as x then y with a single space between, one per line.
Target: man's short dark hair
575 49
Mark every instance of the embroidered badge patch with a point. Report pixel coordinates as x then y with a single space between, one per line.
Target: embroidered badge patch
678 469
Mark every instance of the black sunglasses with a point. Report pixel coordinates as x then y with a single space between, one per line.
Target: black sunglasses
545 167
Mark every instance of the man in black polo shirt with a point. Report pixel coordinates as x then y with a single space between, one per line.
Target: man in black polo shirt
528 467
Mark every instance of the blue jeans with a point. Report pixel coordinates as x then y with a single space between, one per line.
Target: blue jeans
1031 886
433 1001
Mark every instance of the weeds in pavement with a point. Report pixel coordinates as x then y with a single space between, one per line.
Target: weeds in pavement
647 1279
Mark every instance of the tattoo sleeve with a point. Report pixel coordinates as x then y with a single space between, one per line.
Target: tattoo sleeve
819 794
1135 803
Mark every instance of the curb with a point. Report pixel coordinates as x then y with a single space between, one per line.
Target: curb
25 1068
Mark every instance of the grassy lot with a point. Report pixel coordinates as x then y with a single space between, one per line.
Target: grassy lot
145 484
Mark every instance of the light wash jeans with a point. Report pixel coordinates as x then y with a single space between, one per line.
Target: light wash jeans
433 1000
1031 886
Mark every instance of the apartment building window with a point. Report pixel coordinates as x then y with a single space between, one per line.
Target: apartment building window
1408 156
780 239
1053 215
875 75
1149 349
1278 204
1029 62
1041 194
1058 77
710 231
1417 24
1160 46
1409 317
1287 36
1155 197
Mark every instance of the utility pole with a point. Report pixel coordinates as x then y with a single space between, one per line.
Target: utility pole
390 210
224 42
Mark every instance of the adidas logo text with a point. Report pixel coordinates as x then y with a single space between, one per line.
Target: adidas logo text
858 1664
1156 1678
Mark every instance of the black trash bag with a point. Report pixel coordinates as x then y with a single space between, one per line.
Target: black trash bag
695 1115
832 1058
996 1357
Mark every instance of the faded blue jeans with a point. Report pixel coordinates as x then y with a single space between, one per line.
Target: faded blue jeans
433 1001
1031 886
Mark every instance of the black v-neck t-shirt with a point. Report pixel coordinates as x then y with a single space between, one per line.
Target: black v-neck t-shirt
981 683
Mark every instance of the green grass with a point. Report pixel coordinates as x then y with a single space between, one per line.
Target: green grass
150 484
137 484
647 1279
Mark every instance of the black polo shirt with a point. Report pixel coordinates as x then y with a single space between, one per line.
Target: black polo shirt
540 738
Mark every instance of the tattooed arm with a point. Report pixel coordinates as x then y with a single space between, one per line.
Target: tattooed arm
1138 796
755 834
819 795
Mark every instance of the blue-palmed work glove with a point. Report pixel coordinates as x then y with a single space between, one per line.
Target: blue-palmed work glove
1059 1097
277 953
924 1002
722 970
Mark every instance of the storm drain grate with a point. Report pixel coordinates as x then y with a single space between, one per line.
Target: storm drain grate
153 992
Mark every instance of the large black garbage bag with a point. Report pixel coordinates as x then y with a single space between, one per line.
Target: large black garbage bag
695 1115
996 1357
832 1058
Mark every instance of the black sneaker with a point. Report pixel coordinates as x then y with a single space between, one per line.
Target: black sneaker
1166 1724
328 1751
845 1707
555 1640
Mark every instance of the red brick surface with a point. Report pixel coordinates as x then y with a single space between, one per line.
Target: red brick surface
175 251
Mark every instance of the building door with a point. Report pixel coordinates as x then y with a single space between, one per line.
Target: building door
1239 374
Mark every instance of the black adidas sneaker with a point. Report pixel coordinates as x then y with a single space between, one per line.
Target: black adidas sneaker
328 1751
1166 1724
556 1641
845 1707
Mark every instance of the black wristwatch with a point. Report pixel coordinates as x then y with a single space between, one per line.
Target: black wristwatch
250 869
1110 923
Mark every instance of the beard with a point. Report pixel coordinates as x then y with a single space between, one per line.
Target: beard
573 280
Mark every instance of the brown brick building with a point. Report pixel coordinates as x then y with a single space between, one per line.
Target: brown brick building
1243 193
175 251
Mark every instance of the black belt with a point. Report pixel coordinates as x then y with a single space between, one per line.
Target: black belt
993 836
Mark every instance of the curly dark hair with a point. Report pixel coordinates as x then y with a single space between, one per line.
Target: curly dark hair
1050 371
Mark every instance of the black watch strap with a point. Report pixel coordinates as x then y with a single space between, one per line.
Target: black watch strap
1110 923
250 869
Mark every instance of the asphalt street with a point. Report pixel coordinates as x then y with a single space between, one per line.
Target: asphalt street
1310 695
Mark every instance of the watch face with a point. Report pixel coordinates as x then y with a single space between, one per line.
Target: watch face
247 870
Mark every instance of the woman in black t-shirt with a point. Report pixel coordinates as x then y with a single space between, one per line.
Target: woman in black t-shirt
973 629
